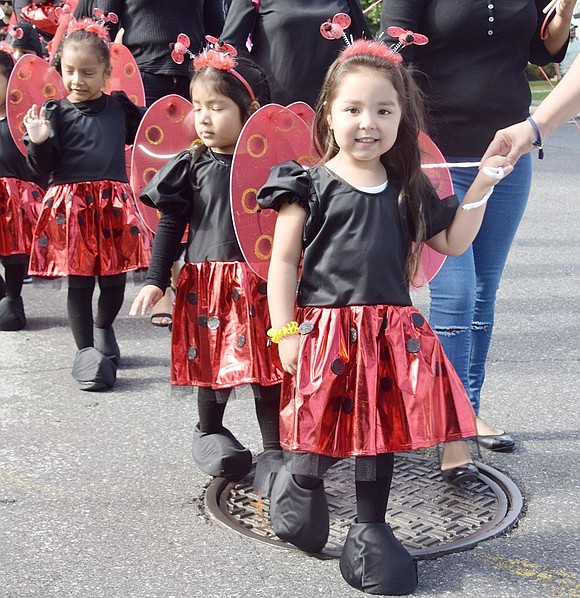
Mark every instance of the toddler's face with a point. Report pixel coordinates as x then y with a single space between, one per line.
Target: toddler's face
217 118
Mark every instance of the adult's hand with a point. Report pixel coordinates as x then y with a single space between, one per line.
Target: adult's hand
512 142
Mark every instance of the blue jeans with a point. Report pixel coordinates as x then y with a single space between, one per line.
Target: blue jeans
463 292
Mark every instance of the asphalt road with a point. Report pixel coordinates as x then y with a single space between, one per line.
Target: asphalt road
99 497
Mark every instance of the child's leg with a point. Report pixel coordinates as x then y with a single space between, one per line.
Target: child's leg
372 559
267 401
80 309
269 462
210 410
216 451
12 315
110 299
372 496
110 302
14 271
92 369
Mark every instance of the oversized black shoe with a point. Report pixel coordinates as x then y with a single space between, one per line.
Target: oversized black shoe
299 515
106 343
220 454
12 316
93 371
375 562
268 464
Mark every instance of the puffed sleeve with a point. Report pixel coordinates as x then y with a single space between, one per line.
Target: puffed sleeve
288 183
45 157
133 114
171 188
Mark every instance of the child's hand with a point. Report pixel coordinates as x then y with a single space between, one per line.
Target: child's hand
288 350
37 126
148 296
495 168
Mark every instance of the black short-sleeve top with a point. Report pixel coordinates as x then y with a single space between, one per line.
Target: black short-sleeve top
87 139
355 243
198 195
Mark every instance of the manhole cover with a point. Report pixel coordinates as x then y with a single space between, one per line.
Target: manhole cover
429 516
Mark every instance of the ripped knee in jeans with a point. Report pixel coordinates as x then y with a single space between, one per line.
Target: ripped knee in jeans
450 330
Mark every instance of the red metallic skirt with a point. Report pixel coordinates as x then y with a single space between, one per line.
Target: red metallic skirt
89 229
20 204
371 380
219 328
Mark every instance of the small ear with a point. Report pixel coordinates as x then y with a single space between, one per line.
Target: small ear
108 72
329 121
254 106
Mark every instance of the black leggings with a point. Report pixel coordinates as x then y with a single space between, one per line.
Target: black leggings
371 497
80 305
15 268
212 404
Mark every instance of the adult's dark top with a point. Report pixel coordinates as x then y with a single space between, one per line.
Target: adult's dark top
475 83
198 196
87 139
287 43
355 243
151 25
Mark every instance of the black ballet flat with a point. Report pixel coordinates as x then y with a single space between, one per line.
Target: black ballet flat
460 475
500 443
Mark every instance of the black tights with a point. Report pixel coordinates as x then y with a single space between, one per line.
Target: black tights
80 305
371 497
14 272
267 403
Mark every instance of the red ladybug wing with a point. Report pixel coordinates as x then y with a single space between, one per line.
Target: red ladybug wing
431 260
271 135
125 76
33 81
166 129
304 111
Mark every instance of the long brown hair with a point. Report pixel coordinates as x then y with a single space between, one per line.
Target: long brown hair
404 158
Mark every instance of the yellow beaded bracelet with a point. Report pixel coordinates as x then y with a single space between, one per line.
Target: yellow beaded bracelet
286 330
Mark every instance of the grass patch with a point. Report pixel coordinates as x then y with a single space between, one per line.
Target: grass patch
540 89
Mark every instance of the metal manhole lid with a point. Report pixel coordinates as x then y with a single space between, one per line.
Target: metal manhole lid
430 517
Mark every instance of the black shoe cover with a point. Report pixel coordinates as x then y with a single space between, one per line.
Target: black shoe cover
12 314
93 370
299 515
220 454
267 466
374 561
106 343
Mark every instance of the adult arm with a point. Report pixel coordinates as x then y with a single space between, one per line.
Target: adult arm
239 23
213 17
559 27
559 106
